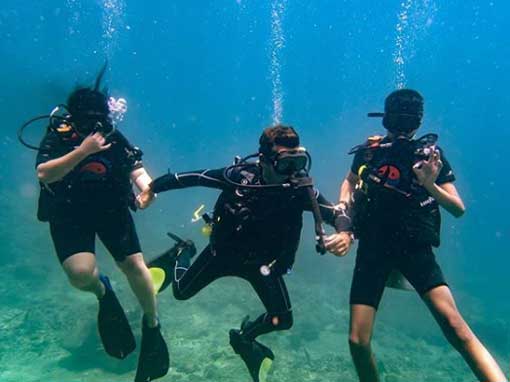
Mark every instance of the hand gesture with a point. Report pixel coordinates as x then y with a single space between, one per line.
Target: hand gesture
94 143
339 243
428 170
145 198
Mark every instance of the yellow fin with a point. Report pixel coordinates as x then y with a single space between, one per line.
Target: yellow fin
265 366
158 278
206 230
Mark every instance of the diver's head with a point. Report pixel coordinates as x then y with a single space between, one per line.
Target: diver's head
89 110
403 112
280 154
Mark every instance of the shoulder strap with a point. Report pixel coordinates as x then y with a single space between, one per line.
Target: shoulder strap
131 151
372 142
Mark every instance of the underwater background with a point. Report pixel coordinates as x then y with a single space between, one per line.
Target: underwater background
202 78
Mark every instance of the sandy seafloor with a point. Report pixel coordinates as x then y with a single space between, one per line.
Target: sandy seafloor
48 330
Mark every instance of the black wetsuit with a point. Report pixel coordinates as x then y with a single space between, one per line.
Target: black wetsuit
397 223
94 198
252 228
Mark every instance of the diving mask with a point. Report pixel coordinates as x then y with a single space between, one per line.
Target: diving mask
288 162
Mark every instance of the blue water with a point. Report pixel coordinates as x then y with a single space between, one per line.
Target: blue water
201 80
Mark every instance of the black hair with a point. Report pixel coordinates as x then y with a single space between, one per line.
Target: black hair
85 99
277 135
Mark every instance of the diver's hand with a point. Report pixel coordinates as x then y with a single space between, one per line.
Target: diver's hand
339 243
145 198
94 143
427 171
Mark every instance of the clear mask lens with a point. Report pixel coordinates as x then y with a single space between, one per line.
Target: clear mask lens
288 162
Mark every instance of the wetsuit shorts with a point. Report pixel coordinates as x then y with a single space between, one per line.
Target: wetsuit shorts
76 232
374 263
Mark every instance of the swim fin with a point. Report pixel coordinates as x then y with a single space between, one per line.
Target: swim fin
154 360
162 267
257 357
114 329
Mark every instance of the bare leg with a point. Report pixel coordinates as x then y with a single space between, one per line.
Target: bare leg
140 280
361 327
442 305
82 272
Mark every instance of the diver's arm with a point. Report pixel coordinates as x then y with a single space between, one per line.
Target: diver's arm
447 196
204 178
347 188
141 178
336 216
55 169
427 172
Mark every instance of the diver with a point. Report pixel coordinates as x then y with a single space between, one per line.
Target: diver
86 169
394 190
256 229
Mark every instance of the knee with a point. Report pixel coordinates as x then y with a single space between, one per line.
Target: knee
282 321
358 342
82 277
133 266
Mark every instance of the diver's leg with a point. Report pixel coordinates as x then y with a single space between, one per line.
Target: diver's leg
189 279
360 335
74 244
442 305
419 266
83 274
118 233
140 281
273 293
77 235
373 266
154 359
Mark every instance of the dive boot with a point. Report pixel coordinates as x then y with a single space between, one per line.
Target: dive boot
257 357
162 267
114 329
154 360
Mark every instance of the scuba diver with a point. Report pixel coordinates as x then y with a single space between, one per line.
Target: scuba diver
86 169
393 190
256 229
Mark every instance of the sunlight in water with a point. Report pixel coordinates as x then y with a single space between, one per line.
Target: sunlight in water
277 44
113 21
414 19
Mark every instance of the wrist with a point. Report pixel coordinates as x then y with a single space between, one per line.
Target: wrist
350 234
152 194
431 187
81 152
343 204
